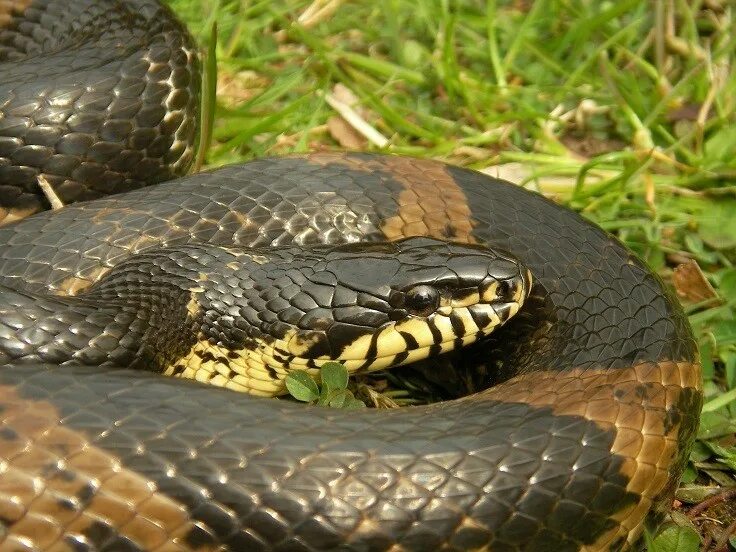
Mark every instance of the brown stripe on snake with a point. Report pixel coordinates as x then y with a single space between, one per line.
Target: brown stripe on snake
59 491
645 406
431 203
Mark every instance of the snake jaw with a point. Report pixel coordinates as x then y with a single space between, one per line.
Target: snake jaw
252 322
464 317
458 323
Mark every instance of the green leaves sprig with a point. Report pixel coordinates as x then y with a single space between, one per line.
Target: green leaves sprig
333 391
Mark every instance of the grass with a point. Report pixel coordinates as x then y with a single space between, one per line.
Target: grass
622 110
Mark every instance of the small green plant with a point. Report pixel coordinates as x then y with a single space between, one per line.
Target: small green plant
674 538
333 391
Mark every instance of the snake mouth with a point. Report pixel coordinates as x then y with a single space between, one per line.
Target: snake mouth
263 370
462 318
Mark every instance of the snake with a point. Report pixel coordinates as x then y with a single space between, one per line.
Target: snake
368 258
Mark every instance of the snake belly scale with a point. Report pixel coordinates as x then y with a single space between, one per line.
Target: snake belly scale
581 442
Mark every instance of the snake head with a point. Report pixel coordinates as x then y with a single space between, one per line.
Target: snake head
368 306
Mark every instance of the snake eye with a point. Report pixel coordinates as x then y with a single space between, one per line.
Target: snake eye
502 289
422 300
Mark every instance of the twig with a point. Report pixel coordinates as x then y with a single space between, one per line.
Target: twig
357 122
379 400
49 192
712 501
722 543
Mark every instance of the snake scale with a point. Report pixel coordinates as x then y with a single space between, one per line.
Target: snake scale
578 446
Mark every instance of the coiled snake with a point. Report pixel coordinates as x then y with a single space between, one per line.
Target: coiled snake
582 441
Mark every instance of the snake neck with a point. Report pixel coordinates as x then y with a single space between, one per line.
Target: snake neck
242 318
143 314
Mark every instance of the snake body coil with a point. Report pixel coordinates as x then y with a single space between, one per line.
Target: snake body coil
98 96
584 438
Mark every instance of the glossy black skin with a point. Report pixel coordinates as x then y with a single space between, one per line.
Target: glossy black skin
307 479
105 100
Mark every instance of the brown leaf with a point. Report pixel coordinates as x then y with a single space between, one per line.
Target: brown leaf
685 112
691 284
345 135
587 145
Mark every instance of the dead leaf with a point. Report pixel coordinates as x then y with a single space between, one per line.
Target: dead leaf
318 11
345 135
686 112
691 284
353 130
588 146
